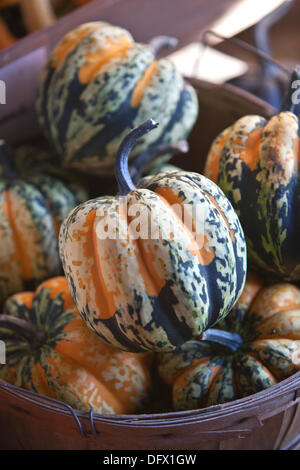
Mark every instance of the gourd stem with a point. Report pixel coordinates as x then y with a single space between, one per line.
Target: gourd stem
288 104
122 174
34 335
143 160
8 169
232 341
159 42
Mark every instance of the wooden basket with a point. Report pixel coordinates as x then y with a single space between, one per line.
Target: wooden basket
266 420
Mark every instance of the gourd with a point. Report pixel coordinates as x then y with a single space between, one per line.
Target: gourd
153 286
99 84
255 162
31 211
50 351
256 346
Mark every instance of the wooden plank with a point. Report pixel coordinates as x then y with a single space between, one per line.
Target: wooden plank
143 18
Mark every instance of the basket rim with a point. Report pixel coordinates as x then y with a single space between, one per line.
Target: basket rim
244 406
233 91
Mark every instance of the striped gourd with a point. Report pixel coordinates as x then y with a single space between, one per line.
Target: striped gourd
153 287
50 350
98 84
256 163
256 346
32 207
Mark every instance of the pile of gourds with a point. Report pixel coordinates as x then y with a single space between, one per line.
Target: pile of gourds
133 306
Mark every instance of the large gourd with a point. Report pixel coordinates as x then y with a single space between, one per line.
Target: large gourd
50 351
98 84
153 286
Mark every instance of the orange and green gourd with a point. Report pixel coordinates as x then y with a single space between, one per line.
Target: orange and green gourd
154 285
256 346
33 204
99 84
50 351
256 163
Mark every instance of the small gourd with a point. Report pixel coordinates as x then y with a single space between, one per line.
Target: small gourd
50 351
99 84
157 265
256 163
33 204
256 346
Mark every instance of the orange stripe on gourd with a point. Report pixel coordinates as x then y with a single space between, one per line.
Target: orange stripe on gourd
212 381
68 44
96 60
153 280
143 83
281 325
174 379
82 346
21 250
103 297
58 285
39 381
248 151
79 382
95 276
25 298
274 300
211 169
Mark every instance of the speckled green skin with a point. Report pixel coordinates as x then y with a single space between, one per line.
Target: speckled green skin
256 164
32 207
161 293
86 122
204 373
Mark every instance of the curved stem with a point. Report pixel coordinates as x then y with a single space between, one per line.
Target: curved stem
232 341
143 160
159 42
122 174
288 104
8 170
34 335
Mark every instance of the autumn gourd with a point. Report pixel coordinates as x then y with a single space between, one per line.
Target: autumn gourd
31 211
255 162
49 350
145 276
256 346
99 84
